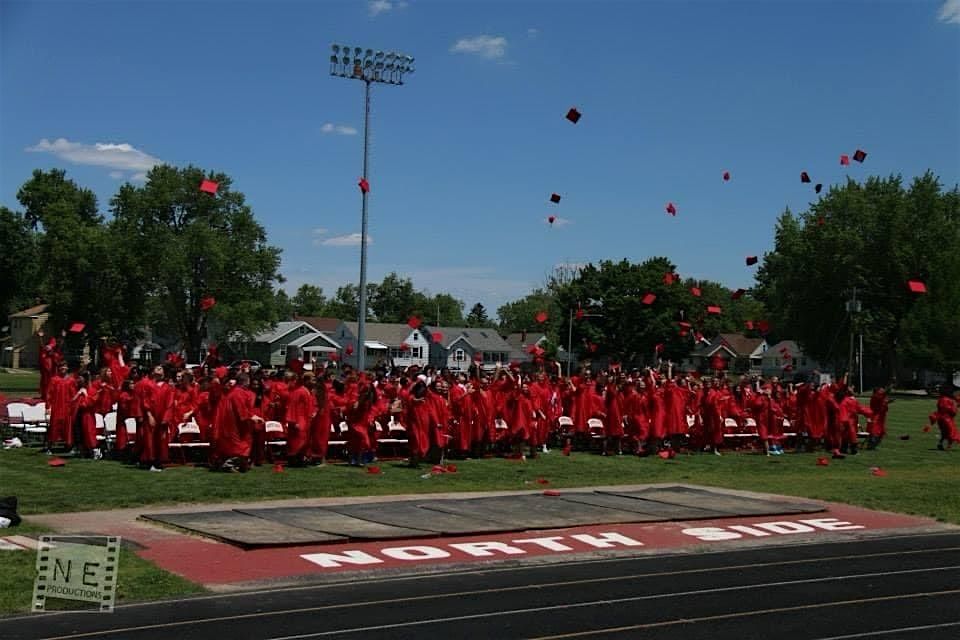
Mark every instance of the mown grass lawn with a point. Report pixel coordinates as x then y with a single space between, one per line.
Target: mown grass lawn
22 383
920 480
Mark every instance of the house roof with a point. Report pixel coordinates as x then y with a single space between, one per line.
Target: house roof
31 312
789 345
320 323
518 343
281 329
738 344
480 339
307 338
391 334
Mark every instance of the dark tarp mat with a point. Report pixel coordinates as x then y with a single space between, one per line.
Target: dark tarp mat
322 519
534 511
646 510
241 529
410 515
723 502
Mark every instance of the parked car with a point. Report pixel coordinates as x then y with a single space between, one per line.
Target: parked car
253 364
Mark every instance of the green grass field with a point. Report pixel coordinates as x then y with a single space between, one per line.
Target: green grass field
920 481
24 382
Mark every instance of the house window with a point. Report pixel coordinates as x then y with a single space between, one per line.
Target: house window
303 329
283 349
459 355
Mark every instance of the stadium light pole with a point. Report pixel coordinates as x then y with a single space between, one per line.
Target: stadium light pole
369 66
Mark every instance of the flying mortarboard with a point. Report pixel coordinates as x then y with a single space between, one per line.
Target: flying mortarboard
414 322
669 278
77 327
541 317
348 350
551 219
726 175
579 314
751 260
573 115
749 325
209 186
817 188
436 336
763 326
659 348
404 346
56 462
804 177
713 310
672 210
844 160
555 198
649 298
860 155
207 303
916 286
364 185
736 295
695 292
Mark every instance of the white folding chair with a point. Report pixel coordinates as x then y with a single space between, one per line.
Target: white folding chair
188 429
595 427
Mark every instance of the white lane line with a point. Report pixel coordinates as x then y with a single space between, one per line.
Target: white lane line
884 632
611 601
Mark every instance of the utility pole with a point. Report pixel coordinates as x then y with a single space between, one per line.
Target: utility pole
854 307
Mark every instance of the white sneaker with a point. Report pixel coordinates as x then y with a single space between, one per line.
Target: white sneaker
155 469
545 450
97 454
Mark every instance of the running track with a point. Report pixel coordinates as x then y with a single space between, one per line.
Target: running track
894 587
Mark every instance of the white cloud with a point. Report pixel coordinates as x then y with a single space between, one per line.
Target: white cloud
116 175
120 156
532 32
376 7
349 240
139 177
339 129
320 231
490 47
560 222
950 12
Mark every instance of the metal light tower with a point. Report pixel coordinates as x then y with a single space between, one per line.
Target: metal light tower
370 67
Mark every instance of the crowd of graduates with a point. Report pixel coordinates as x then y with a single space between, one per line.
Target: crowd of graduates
475 413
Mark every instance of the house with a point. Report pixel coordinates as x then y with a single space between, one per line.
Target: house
23 349
787 360
287 340
457 347
738 353
386 343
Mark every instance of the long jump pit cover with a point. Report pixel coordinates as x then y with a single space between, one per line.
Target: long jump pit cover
728 504
242 529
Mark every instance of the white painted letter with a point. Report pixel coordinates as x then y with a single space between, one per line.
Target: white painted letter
547 543
606 540
832 524
484 549
742 528
333 560
711 534
785 527
415 553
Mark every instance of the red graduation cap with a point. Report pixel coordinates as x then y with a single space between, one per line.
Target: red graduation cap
349 350
573 115
551 219
436 336
555 198
414 322
916 286
404 346
209 186
450 468
749 325
649 298
77 327
592 347
763 326
373 470
926 428
664 454
752 260
817 188
877 471
844 160
672 210
860 155
684 332
56 462
713 310
542 481
364 185
736 295
668 278
684 325
695 292
823 462
278 468
697 336
726 175
207 303
804 177
551 493
541 317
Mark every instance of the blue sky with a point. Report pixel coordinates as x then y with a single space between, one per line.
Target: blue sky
466 154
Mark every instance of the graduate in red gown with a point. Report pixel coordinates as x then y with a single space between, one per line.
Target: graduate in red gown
848 410
301 405
128 407
416 418
235 423
321 421
613 418
877 425
61 391
946 418
155 436
50 356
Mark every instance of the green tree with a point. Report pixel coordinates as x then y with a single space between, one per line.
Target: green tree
18 262
872 237
447 308
478 317
395 299
283 305
309 301
198 245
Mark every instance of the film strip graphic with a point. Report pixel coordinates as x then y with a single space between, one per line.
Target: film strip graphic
82 568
